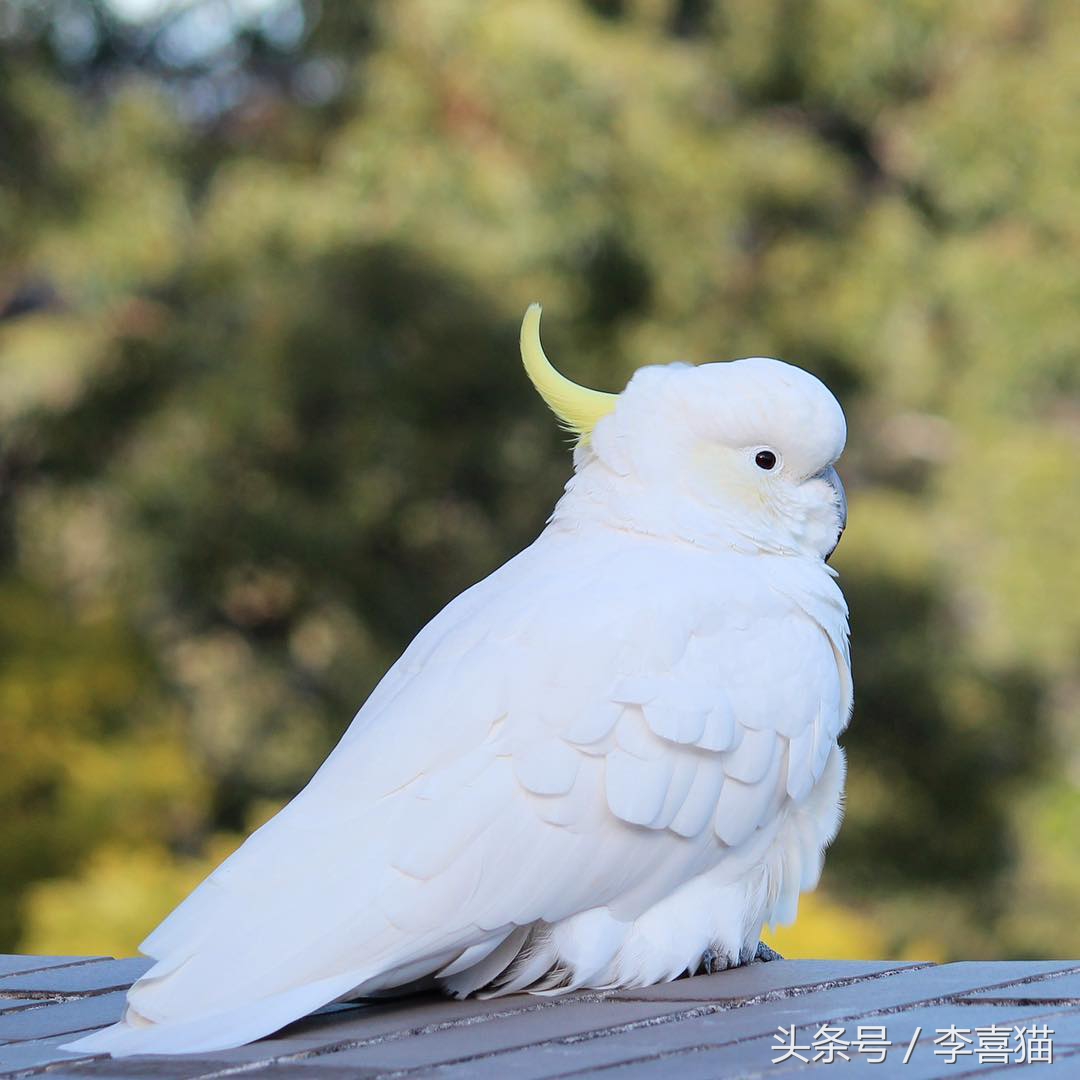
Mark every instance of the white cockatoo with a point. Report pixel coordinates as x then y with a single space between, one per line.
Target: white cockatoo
612 758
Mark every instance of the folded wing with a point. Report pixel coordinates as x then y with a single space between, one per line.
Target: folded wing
526 759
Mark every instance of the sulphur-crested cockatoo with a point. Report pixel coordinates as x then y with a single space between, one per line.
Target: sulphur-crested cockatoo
611 758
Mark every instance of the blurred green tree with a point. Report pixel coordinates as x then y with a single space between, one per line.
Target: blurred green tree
259 289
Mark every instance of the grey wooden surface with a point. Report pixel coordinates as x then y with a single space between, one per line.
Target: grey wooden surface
709 1027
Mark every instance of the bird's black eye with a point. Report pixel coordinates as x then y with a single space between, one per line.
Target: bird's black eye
765 459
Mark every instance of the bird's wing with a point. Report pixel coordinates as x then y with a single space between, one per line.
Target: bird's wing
585 728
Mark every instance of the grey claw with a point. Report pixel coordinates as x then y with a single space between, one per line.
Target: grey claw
765 954
710 961
713 960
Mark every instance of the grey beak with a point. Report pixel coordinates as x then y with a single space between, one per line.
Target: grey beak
832 478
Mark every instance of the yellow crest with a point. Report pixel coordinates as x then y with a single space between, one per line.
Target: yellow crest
577 407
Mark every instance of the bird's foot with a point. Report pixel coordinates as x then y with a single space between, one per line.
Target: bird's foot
764 953
714 959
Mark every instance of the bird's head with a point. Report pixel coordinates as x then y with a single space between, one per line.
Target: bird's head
739 453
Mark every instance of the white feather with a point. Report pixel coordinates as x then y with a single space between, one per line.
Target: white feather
616 751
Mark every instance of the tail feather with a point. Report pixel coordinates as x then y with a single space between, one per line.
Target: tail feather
147 1028
463 983
215 1031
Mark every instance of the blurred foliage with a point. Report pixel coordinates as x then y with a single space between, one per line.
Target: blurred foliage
261 268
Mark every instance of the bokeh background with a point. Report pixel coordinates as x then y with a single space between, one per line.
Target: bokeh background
262 264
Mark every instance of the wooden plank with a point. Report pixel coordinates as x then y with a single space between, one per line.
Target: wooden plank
16 1058
13 1004
61 1018
79 979
463 1042
757 979
11 965
707 1027
1061 988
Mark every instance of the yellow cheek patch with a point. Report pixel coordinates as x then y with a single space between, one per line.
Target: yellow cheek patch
720 471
